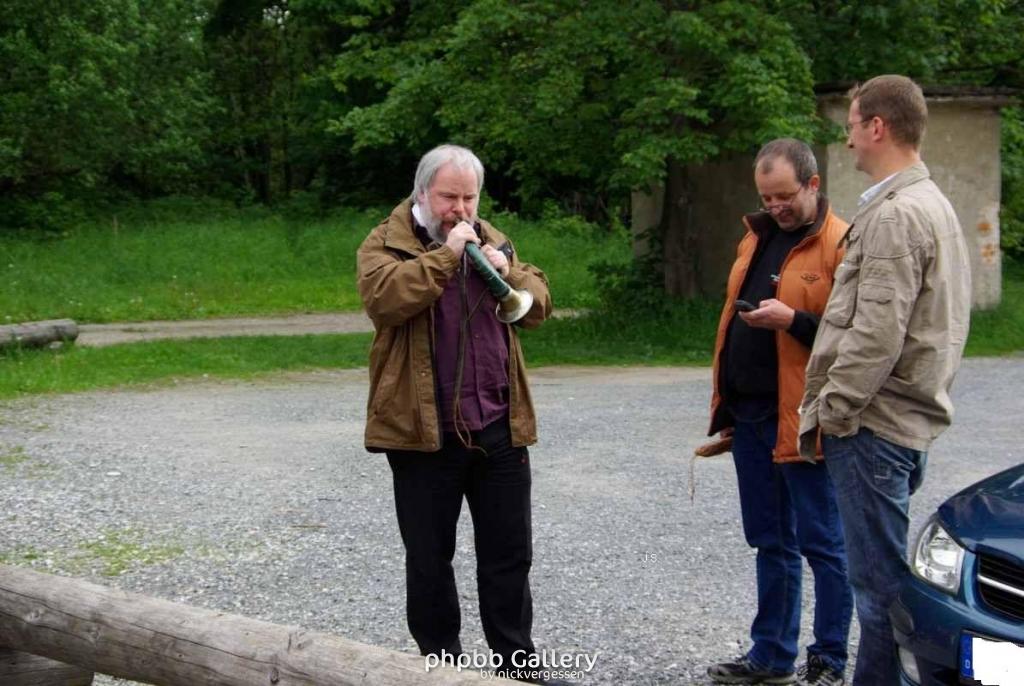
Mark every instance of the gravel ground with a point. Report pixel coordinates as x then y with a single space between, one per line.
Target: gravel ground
257 498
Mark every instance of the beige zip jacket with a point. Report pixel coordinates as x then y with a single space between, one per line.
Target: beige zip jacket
399 281
893 332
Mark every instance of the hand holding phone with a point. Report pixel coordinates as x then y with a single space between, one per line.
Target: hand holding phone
744 306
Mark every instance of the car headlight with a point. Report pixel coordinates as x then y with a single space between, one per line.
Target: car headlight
938 559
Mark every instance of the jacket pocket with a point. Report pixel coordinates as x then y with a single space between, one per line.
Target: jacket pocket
875 293
842 304
390 359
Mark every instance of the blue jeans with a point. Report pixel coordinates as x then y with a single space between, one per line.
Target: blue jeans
790 510
874 480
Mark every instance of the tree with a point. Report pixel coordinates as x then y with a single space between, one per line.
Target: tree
934 41
90 91
264 55
587 101
963 42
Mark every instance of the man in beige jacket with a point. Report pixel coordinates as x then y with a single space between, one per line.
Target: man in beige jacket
450 405
887 349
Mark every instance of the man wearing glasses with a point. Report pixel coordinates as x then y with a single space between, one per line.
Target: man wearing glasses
776 293
886 353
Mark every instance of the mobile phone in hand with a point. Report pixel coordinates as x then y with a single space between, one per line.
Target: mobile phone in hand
744 306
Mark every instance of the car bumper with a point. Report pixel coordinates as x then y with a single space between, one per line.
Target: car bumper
928 624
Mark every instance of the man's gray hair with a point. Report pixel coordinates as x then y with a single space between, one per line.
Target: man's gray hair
456 155
794 151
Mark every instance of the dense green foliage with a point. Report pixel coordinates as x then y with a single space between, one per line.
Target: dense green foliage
110 95
315 102
1012 219
937 41
581 102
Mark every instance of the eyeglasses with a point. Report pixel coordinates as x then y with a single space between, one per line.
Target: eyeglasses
850 124
781 201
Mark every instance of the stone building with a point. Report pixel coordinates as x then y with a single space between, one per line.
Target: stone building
961 149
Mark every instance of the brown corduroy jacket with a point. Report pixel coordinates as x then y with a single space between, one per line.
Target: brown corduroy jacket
399 280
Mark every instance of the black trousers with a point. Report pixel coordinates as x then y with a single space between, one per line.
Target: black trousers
429 488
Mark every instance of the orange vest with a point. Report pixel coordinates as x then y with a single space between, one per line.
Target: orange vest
805 281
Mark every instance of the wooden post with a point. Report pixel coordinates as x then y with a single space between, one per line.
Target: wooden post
170 644
22 669
37 334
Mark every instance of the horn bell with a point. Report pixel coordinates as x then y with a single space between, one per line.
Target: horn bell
514 306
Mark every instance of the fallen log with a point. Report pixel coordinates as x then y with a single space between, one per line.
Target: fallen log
37 334
22 669
170 644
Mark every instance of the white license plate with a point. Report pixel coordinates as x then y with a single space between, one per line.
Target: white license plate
991 662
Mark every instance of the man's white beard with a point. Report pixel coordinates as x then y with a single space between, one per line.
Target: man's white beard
428 221
431 223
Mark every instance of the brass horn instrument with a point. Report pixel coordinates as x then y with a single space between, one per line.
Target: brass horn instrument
512 304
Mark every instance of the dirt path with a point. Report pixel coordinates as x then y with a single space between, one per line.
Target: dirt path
98 335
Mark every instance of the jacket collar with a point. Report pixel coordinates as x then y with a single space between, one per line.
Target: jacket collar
762 223
399 234
915 173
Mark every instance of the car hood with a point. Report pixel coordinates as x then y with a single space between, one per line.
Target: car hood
989 514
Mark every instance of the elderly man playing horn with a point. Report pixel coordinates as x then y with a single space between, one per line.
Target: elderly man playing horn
449 402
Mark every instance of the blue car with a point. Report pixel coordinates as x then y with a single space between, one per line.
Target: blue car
959 618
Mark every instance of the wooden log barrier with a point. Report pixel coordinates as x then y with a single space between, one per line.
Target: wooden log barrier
169 644
37 334
22 669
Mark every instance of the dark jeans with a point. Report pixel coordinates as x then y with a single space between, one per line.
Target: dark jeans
789 510
874 480
429 488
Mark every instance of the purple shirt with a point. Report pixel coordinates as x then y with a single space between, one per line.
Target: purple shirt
484 395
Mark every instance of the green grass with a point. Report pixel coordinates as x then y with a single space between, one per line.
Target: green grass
564 248
117 551
684 336
178 262
1001 331
9 457
111 552
21 555
248 263
77 369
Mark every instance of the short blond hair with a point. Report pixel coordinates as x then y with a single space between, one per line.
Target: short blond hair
897 101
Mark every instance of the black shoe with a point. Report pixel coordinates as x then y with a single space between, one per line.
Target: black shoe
817 672
743 671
